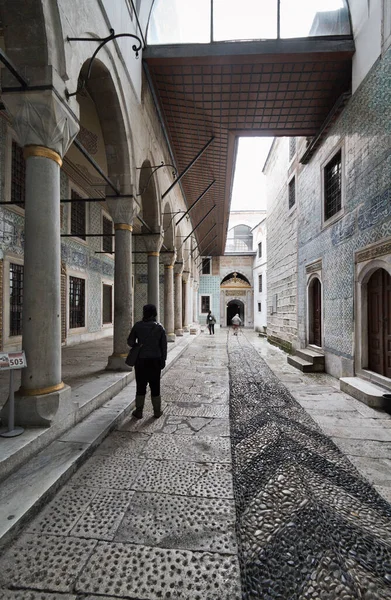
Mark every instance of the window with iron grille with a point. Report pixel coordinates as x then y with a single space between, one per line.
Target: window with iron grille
78 216
206 266
259 283
292 147
292 192
205 304
107 240
260 249
76 302
333 186
18 174
259 307
16 299
107 309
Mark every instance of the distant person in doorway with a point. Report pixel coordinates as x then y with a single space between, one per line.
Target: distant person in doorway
236 322
210 321
151 336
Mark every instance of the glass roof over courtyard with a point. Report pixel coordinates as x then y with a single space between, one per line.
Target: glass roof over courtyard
206 21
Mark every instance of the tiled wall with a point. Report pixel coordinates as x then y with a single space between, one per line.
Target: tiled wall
364 129
209 284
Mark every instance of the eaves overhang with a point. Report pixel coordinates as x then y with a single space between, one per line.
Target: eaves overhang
230 89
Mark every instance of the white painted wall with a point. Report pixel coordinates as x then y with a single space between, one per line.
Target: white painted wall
366 18
260 268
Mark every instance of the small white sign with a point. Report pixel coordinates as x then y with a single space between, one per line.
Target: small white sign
12 360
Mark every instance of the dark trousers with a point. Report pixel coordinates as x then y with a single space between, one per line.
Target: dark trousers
211 328
148 370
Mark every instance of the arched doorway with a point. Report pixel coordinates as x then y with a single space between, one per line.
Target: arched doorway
379 322
315 312
234 307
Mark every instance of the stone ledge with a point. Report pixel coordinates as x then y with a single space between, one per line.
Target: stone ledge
364 391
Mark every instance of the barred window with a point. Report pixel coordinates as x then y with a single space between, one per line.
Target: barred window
78 216
259 307
292 147
205 304
260 249
107 309
206 266
18 174
107 240
292 192
76 302
16 298
260 283
333 186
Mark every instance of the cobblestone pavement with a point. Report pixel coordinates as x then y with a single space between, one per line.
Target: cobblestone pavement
308 525
151 515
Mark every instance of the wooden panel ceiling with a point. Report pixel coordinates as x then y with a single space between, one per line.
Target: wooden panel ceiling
226 95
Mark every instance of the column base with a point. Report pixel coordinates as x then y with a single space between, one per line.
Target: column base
179 332
186 329
116 362
40 410
171 337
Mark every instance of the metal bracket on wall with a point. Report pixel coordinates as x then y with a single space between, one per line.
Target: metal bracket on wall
103 41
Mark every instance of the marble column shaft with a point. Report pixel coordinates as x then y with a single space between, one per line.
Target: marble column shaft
186 300
153 242
178 268
42 263
123 213
168 259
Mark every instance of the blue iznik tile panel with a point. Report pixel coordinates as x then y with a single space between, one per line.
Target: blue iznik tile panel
210 284
364 132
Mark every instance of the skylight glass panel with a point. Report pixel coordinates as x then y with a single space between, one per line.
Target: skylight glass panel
308 18
179 22
245 20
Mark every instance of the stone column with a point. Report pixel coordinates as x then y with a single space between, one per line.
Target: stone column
186 300
153 242
168 259
195 302
45 127
123 212
178 268
191 302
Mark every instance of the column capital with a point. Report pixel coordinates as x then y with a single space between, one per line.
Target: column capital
153 242
178 268
168 258
41 119
123 210
185 276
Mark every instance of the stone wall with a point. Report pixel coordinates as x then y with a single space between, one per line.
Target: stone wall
281 250
363 131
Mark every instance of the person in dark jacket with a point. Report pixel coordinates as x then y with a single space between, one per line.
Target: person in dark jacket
151 359
211 321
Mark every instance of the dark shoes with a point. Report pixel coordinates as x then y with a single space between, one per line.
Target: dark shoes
138 413
157 414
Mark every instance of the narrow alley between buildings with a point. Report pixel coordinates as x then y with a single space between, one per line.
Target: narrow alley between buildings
246 487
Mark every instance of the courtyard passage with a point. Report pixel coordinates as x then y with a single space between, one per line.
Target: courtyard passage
235 492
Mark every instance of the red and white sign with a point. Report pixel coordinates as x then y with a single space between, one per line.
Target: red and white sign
12 360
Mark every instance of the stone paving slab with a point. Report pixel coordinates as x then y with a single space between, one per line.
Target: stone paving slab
213 412
180 522
187 575
359 433
179 426
184 478
45 563
365 448
120 444
108 472
376 470
189 448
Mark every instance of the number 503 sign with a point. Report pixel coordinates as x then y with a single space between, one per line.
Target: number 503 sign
12 360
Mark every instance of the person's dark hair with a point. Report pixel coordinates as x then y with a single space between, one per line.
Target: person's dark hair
149 310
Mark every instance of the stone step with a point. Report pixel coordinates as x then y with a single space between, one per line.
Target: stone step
311 356
301 364
365 391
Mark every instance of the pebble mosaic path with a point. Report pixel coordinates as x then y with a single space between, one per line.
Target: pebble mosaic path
308 525
234 493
